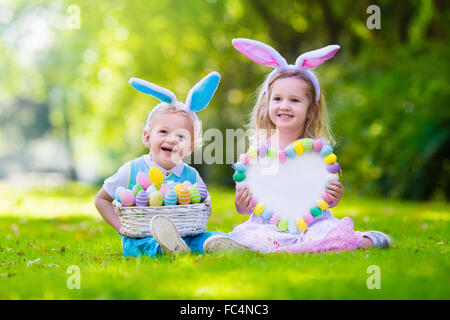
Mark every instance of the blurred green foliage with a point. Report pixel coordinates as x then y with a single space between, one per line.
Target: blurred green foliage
386 90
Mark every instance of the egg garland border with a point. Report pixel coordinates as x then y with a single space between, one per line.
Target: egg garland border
295 148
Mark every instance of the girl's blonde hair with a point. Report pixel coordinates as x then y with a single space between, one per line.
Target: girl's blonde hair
170 108
317 123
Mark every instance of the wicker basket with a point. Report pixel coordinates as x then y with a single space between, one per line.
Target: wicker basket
189 219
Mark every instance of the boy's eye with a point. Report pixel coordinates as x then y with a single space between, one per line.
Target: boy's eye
163 131
277 98
180 136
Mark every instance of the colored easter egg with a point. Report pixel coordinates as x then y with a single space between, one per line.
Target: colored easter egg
298 147
163 189
332 177
333 168
290 151
150 190
267 213
326 150
282 156
201 186
252 153
127 198
331 158
136 189
238 176
326 197
307 144
253 202
322 204
244 159
117 193
183 194
316 212
308 217
239 166
156 199
262 151
258 209
301 224
142 199
271 153
292 227
143 180
170 198
195 194
283 224
317 145
187 184
156 176
274 219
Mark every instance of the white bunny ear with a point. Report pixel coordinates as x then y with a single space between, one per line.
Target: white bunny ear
259 52
152 89
201 94
312 59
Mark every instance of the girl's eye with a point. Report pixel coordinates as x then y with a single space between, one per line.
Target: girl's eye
163 131
180 136
295 100
277 98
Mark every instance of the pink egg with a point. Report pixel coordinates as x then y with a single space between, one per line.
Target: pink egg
143 180
317 145
282 156
308 217
187 184
164 189
127 198
244 158
326 197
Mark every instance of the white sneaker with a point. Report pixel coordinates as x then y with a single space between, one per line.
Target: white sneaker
220 242
166 234
379 239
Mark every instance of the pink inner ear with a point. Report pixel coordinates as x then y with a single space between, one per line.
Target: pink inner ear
257 54
312 63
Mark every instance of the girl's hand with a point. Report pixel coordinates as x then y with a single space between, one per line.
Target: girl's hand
335 189
243 201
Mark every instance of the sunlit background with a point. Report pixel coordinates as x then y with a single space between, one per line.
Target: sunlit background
68 113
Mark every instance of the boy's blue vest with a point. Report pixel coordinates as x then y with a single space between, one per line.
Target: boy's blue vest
139 165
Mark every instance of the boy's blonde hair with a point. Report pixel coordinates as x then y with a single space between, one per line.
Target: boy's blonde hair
317 122
171 108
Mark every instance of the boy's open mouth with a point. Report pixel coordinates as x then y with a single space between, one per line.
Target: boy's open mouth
168 149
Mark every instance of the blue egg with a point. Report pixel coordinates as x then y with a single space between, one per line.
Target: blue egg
238 166
326 150
292 226
290 151
117 193
170 198
267 213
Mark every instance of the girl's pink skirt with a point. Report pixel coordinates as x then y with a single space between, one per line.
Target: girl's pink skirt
325 234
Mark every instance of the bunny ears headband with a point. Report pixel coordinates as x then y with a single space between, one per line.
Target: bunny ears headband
264 54
198 98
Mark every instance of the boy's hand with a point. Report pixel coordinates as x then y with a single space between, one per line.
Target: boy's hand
335 189
243 201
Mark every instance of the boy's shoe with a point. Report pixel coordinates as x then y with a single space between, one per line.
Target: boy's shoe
220 242
166 234
379 239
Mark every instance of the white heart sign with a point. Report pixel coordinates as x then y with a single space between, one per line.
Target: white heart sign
289 185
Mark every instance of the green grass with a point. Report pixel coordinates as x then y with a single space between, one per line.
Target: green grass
44 231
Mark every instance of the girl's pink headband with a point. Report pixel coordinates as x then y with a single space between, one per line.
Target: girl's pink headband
266 55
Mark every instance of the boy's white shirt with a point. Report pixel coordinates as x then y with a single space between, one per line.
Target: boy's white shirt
120 178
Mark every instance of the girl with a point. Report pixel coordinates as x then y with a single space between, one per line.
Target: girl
170 133
290 102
